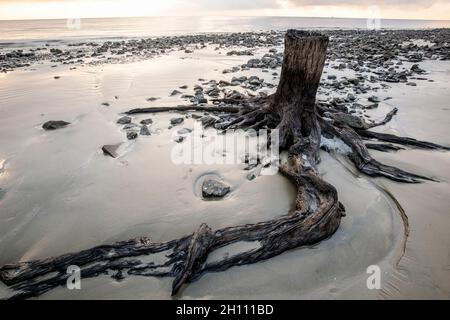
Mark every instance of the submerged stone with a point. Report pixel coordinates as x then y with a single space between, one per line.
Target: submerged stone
111 150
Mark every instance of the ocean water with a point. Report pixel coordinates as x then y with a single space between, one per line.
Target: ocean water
73 29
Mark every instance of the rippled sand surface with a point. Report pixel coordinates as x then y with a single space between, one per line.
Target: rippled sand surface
60 194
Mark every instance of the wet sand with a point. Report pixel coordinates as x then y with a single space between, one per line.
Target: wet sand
61 194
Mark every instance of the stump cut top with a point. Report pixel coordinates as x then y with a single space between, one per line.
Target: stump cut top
298 35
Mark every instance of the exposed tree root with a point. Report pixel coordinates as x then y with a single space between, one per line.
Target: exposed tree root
404 141
384 147
317 215
362 159
193 107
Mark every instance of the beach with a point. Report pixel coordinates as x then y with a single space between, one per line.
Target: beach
60 193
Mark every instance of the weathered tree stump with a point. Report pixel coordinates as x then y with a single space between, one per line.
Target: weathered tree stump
295 99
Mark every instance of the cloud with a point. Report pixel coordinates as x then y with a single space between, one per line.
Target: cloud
382 3
264 4
237 4
242 4
409 9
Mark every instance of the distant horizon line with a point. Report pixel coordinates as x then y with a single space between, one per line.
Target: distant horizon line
225 16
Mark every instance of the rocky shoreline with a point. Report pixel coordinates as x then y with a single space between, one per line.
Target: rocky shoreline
354 49
371 60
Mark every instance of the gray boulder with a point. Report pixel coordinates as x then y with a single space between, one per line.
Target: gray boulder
132 135
53 125
124 120
179 139
184 131
374 99
111 150
145 131
214 189
147 121
130 126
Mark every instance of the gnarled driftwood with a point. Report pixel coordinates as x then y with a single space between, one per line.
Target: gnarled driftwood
317 215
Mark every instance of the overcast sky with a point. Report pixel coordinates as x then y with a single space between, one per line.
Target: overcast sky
401 9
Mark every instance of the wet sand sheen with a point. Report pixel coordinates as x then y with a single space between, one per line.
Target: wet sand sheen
90 199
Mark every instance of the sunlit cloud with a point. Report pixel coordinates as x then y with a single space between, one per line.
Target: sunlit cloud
403 9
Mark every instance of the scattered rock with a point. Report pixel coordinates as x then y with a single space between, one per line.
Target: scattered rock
350 120
53 125
374 99
175 93
371 106
145 131
118 276
179 139
56 51
132 135
184 131
124 120
366 53
415 68
130 126
240 53
111 150
147 121
208 121
176 121
198 88
214 189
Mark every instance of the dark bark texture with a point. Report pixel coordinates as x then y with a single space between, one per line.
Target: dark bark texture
301 123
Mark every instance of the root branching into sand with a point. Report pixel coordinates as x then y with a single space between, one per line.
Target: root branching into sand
301 123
